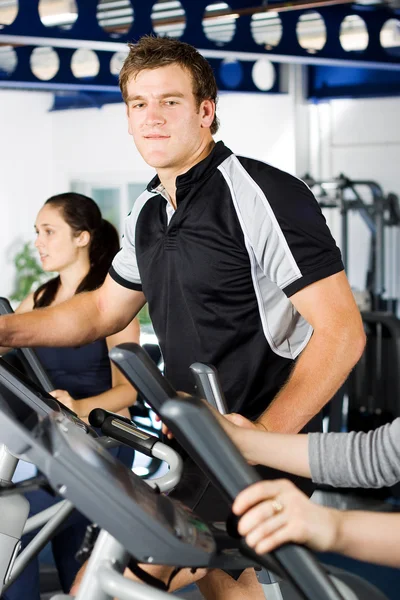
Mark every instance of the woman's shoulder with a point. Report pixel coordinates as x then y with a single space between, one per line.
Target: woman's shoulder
26 305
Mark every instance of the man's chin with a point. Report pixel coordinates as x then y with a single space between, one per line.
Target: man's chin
157 160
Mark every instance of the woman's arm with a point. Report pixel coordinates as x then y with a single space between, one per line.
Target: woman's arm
121 395
355 459
286 452
276 512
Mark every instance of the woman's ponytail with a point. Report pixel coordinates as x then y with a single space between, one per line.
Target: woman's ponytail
104 245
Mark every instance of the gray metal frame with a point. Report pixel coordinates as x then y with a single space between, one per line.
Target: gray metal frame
14 511
76 467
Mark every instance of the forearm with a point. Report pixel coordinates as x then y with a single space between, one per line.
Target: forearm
75 322
368 536
318 373
284 452
115 400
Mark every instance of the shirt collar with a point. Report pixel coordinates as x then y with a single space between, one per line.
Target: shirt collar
199 171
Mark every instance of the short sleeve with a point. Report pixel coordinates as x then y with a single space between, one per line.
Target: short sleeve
308 238
124 269
283 225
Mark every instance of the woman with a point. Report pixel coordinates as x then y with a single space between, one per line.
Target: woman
276 512
74 241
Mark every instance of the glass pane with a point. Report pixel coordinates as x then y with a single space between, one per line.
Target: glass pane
219 23
311 31
108 200
8 12
62 13
168 18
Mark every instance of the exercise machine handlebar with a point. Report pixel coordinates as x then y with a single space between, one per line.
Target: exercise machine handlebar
208 386
203 438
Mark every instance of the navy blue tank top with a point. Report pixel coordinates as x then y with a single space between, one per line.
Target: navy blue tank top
82 371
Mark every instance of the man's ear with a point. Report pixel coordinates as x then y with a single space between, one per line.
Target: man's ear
207 111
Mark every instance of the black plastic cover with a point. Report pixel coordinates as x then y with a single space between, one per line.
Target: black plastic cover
149 525
123 430
28 357
142 372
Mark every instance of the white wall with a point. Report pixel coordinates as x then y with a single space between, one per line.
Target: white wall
26 170
92 142
259 126
43 152
360 138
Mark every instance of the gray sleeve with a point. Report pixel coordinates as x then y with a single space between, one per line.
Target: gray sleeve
124 269
356 459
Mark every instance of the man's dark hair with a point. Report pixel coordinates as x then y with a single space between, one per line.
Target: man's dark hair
153 52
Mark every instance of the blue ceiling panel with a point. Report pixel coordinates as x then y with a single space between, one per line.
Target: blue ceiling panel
347 82
333 70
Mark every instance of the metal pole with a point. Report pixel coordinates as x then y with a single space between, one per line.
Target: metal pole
108 555
8 464
40 540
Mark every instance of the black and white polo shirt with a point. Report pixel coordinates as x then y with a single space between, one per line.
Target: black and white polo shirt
218 272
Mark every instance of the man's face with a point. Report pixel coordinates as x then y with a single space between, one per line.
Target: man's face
166 124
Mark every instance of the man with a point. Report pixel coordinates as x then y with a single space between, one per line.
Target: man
236 262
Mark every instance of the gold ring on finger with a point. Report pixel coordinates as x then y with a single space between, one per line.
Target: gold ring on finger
277 506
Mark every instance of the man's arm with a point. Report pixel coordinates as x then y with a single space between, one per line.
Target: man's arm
80 320
25 306
333 350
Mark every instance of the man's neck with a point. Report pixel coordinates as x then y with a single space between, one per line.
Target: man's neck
168 176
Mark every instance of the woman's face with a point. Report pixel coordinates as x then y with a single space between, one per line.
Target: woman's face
57 246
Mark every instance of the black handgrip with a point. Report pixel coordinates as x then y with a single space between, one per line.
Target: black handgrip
306 572
207 443
97 416
197 431
140 370
33 364
298 565
123 430
37 368
5 307
12 381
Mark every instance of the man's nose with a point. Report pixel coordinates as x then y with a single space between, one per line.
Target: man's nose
154 115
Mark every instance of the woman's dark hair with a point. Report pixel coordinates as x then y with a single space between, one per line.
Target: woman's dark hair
82 214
